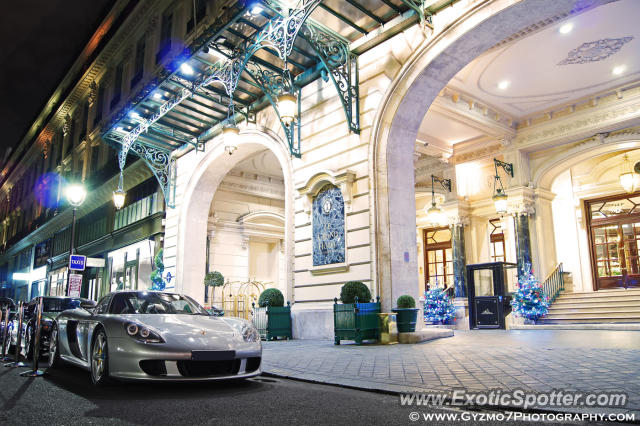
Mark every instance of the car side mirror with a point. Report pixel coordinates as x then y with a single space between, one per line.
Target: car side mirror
87 304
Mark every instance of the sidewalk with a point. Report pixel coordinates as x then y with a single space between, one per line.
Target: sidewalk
537 360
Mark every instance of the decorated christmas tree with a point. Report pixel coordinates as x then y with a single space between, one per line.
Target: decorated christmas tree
529 301
158 282
437 306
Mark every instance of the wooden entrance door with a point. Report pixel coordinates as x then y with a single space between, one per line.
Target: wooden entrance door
615 241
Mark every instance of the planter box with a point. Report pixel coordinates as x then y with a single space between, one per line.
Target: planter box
356 321
406 319
273 321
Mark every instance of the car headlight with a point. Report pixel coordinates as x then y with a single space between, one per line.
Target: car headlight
142 333
249 333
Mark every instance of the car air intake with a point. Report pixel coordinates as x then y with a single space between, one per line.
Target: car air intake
154 367
208 368
252 364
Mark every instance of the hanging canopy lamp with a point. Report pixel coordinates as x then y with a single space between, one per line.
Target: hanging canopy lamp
119 195
499 194
435 215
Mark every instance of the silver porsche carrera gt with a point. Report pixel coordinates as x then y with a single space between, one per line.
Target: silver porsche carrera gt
149 335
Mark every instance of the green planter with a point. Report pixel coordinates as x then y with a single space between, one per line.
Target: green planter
273 321
406 319
356 321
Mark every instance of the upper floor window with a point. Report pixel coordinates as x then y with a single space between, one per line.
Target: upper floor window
198 12
117 85
138 67
84 119
166 29
99 103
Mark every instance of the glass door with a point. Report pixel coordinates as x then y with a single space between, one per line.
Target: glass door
631 253
617 258
131 275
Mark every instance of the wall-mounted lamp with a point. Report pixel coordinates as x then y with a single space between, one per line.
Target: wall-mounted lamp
230 132
499 194
435 215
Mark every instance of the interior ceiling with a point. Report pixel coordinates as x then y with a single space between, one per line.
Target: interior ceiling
264 163
547 69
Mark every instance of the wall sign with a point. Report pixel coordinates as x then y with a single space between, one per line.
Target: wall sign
77 262
328 227
43 251
75 285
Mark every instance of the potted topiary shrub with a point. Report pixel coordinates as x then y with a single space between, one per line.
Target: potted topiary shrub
407 314
356 318
271 317
212 279
157 281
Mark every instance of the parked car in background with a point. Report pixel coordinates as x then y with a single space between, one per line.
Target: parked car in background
6 302
150 335
52 306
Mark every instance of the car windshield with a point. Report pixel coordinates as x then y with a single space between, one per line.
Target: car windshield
154 303
59 305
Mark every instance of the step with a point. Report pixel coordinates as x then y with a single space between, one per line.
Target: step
595 304
589 320
564 325
589 315
603 296
630 300
615 291
553 309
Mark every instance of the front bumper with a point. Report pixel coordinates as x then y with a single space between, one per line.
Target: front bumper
131 360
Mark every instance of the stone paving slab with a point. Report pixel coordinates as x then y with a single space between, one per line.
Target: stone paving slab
582 360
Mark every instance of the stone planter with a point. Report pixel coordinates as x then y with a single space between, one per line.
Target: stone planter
273 321
406 319
356 321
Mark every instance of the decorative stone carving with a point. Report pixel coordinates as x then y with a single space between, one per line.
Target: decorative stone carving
66 127
315 183
329 236
46 148
595 51
93 93
525 208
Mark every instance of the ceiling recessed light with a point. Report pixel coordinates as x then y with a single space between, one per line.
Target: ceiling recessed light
186 69
157 95
256 9
134 114
503 84
618 70
566 28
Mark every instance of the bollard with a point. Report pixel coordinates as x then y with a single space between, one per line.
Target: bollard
36 348
17 362
5 332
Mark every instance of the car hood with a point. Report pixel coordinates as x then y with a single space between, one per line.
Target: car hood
192 327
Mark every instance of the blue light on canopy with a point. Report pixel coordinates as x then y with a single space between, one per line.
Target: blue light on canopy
46 189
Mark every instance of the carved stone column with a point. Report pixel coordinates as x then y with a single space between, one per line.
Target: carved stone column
523 237
459 257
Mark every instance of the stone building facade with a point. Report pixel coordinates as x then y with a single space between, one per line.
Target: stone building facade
432 100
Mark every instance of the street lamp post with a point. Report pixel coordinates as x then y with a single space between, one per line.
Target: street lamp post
75 196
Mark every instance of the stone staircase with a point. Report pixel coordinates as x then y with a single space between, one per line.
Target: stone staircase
604 306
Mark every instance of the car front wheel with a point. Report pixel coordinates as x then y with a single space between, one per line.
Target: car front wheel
28 346
100 359
54 356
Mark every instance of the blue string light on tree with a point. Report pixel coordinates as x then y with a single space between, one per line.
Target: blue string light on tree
529 301
438 307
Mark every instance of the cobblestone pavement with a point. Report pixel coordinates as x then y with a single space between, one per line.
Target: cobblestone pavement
537 360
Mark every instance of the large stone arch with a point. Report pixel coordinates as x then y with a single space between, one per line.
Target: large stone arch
407 100
553 166
198 195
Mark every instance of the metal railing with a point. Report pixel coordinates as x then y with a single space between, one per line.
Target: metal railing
554 283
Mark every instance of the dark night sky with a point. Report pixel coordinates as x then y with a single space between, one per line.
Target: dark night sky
39 41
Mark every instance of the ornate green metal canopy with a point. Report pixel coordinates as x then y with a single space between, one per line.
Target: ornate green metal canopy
241 63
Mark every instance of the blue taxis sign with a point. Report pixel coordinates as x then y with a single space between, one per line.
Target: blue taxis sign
77 262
